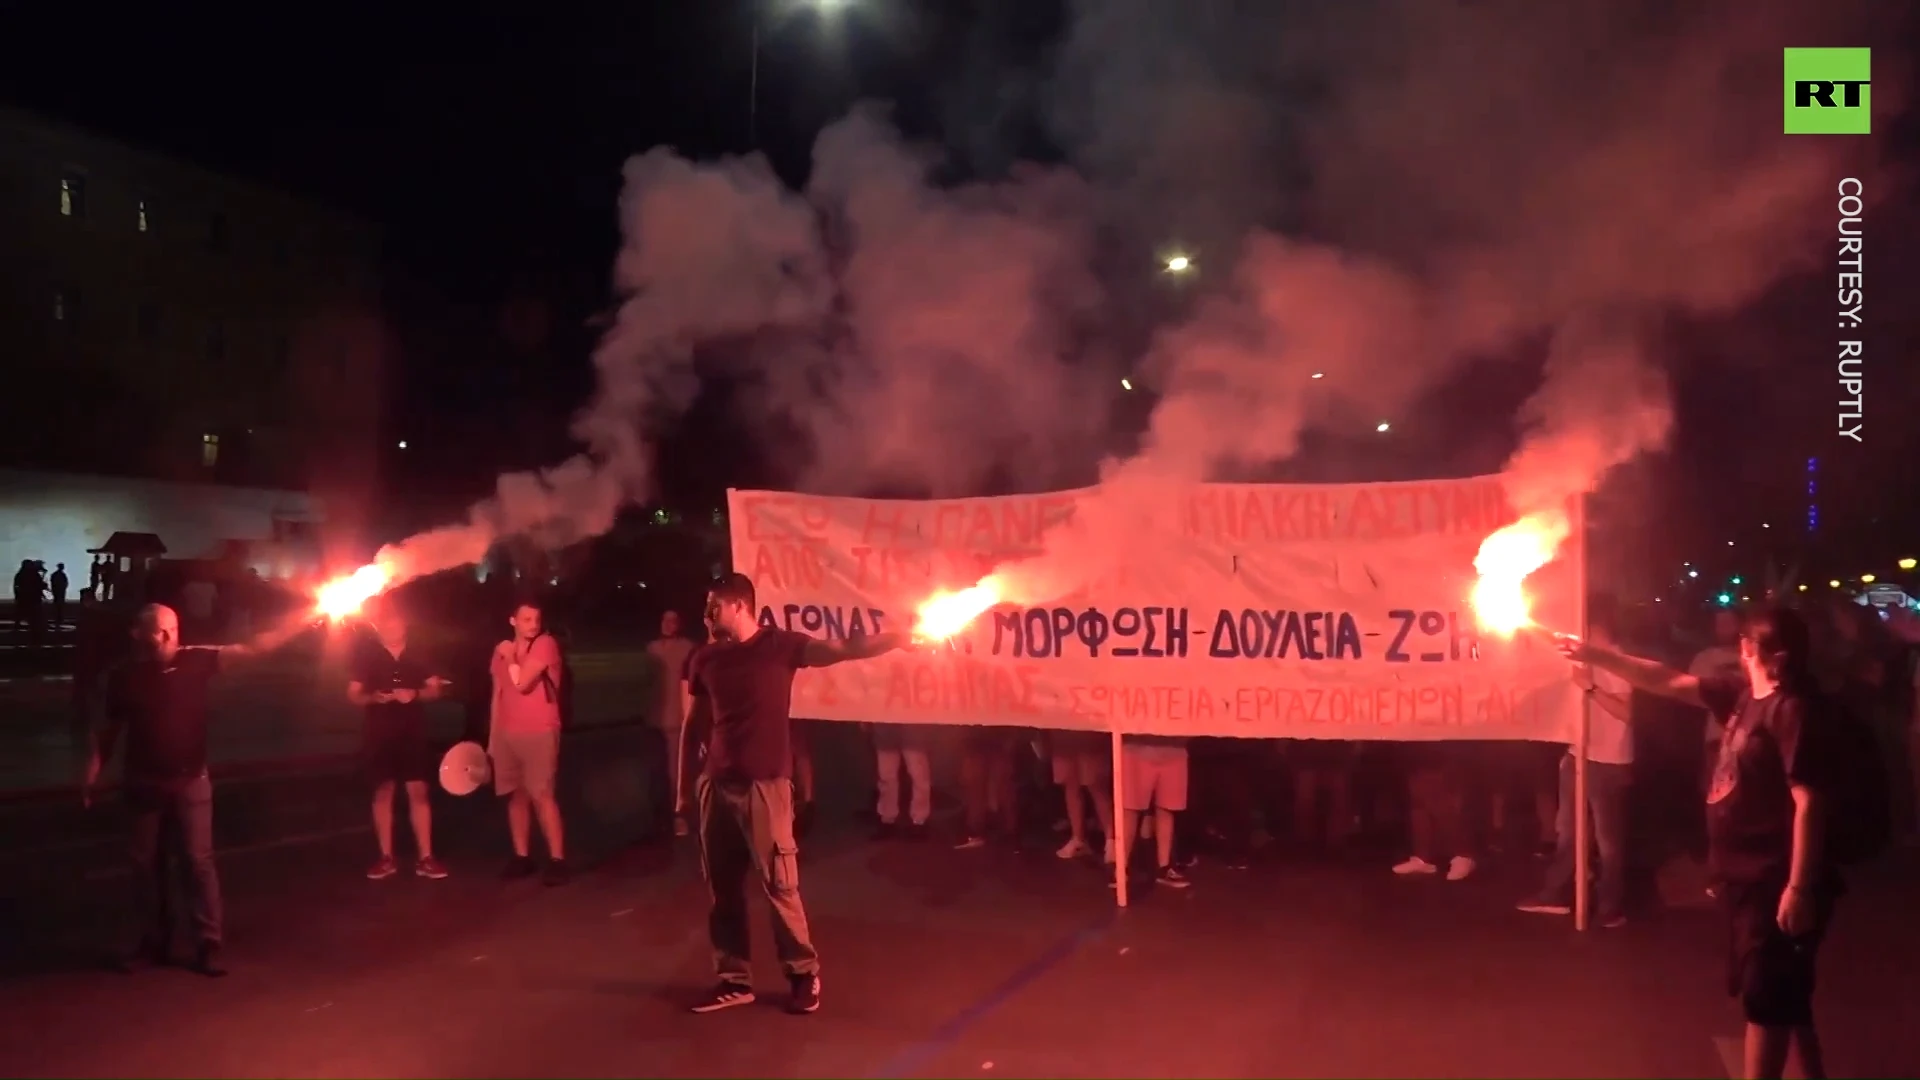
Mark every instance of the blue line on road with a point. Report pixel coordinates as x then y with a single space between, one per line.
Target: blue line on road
914 1058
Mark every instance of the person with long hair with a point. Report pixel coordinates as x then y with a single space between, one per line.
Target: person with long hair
1772 785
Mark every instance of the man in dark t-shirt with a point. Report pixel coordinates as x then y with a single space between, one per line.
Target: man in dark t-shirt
741 686
1773 781
393 680
158 700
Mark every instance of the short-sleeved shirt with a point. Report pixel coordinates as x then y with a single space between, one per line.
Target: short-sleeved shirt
748 686
537 709
670 655
1771 744
163 708
379 671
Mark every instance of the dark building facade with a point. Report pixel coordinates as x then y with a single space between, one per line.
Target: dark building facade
166 321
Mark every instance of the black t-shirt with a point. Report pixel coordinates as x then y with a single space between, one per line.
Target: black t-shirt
378 671
748 687
164 711
1770 745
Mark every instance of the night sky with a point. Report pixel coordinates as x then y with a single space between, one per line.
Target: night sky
488 147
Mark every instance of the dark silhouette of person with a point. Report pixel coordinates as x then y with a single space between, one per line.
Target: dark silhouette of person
28 588
58 583
94 571
110 575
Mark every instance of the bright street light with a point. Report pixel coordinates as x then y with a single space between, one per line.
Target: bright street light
1908 564
780 8
1383 426
1126 384
1867 579
1318 375
403 444
1179 264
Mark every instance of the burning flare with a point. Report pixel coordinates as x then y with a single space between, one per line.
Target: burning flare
343 597
945 614
1499 598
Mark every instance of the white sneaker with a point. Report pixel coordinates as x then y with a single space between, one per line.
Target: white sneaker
1416 865
1073 849
1460 869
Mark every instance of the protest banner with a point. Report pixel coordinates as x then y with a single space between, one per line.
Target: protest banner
1254 610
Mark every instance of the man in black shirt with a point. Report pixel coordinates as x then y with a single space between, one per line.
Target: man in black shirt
1772 784
393 681
159 700
742 691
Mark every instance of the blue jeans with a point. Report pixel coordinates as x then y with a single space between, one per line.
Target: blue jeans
1607 787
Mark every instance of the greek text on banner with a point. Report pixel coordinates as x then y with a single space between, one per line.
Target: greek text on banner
1264 610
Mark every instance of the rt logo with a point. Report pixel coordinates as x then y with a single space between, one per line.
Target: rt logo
1828 92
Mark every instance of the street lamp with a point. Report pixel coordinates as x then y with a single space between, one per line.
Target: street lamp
1179 264
821 7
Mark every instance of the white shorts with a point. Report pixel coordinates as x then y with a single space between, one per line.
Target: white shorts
1155 776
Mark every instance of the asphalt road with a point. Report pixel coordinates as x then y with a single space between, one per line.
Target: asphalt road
937 962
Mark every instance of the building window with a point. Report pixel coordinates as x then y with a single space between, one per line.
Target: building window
147 321
209 450
143 216
217 233
217 342
73 195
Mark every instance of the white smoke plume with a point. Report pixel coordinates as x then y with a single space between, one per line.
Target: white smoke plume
1378 192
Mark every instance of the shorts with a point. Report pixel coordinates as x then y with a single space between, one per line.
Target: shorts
1770 973
398 753
524 759
1081 758
1154 776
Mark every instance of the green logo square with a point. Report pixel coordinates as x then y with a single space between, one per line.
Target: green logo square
1828 92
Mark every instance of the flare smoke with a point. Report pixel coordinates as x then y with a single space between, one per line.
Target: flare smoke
1380 192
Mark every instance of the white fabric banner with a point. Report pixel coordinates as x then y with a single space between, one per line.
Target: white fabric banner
1258 610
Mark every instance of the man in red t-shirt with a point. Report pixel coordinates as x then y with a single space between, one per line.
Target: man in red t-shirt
741 686
524 740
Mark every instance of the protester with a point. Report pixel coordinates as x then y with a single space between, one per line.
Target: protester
1083 769
1772 785
1609 781
524 741
158 700
1437 801
1154 777
901 748
989 759
669 653
393 680
742 688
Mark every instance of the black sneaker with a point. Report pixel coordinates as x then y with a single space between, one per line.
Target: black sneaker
725 996
806 995
1173 877
207 961
556 873
520 866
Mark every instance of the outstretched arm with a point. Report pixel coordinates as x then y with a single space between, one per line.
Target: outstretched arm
822 652
1649 675
269 641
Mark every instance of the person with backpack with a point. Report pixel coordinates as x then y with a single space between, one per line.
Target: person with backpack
1792 799
524 740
